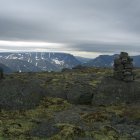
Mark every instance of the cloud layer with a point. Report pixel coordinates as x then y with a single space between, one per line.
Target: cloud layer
82 26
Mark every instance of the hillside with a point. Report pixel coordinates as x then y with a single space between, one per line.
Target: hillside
82 59
19 65
5 68
77 104
107 61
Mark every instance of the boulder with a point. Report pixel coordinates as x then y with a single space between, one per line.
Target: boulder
112 91
19 94
80 94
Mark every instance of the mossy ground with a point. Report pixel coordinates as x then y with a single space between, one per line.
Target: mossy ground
17 124
74 122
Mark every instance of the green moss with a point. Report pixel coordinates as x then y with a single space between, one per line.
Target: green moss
18 124
47 107
68 131
39 113
55 80
105 133
17 128
132 112
118 110
95 117
54 104
94 83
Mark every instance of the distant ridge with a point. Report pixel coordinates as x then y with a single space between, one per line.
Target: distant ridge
45 61
107 61
5 68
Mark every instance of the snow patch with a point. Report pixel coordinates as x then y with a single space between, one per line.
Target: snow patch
14 57
21 58
42 57
58 62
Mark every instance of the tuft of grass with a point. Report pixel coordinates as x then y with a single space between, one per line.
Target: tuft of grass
95 117
18 124
68 132
54 104
118 109
107 133
94 83
38 113
14 125
132 112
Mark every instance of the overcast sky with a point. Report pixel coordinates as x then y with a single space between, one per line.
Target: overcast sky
81 27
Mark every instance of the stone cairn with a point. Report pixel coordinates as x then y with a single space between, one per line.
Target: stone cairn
123 67
1 73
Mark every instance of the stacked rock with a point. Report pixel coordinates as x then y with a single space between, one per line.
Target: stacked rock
123 67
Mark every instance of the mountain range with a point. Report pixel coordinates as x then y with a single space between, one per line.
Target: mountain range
38 61
44 61
107 61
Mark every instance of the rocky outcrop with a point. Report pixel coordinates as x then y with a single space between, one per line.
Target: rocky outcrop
76 93
112 91
80 94
19 94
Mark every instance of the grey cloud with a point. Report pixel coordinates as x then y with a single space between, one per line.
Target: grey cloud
89 25
16 29
106 48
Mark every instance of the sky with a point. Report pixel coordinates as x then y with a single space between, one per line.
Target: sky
85 28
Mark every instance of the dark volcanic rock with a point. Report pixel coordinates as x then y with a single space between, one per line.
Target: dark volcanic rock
45 129
18 94
111 91
76 94
80 94
136 134
58 91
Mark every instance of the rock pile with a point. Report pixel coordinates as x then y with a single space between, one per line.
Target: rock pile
123 67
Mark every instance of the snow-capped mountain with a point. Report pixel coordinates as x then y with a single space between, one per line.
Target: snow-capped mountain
19 65
38 61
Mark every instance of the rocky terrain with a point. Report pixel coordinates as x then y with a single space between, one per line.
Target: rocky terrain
78 104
